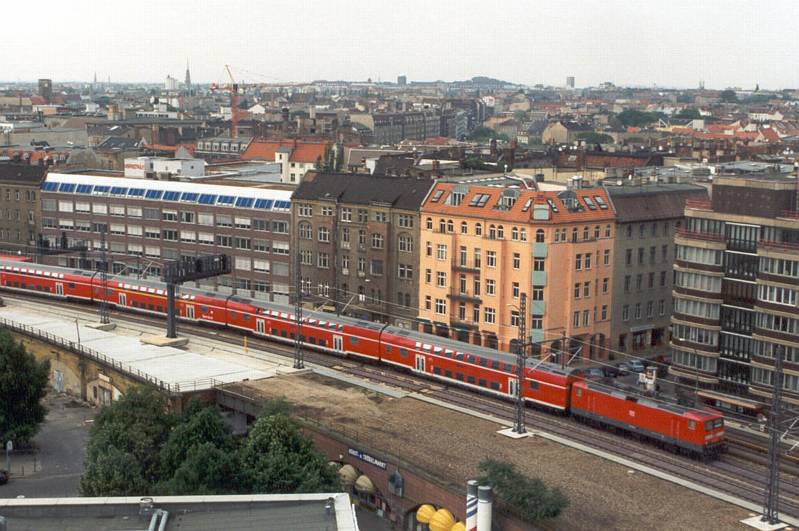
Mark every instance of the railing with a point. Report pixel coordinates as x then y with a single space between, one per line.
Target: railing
90 353
779 245
790 214
699 235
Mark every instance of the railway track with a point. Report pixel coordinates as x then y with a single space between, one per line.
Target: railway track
739 473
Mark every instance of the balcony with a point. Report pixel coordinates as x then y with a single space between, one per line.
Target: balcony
465 269
778 246
537 307
685 233
539 278
699 204
465 297
540 250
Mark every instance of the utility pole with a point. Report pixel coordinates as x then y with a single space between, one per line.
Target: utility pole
105 318
561 354
520 361
299 362
771 505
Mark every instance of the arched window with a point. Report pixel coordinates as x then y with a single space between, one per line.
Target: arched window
524 235
478 229
596 232
464 227
607 231
450 226
492 232
501 232
539 236
514 233
585 232
430 223
574 234
442 225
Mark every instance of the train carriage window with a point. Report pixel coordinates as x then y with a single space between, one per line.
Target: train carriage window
134 304
691 425
495 386
203 308
459 356
718 423
470 379
404 352
495 364
510 368
578 391
234 315
436 370
534 385
708 425
448 374
275 332
283 333
459 376
482 382
388 348
483 362
150 307
353 340
312 340
159 308
322 342
469 358
292 336
71 285
246 316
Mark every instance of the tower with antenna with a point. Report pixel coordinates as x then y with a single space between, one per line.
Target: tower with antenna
187 81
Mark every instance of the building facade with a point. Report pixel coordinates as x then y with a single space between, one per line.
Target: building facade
736 290
20 206
147 222
647 218
483 246
393 128
357 244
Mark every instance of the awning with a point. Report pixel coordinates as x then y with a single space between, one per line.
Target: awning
731 400
348 474
641 328
364 484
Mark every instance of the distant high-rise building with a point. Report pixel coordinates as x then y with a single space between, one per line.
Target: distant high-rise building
402 80
570 82
46 89
171 83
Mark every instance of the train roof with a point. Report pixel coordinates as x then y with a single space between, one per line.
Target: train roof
622 394
29 266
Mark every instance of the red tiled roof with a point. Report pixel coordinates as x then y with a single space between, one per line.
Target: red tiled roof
516 213
302 150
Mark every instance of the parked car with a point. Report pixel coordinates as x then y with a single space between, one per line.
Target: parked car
594 373
611 372
636 366
3 477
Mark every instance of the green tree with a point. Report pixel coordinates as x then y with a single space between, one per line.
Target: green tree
484 134
689 113
728 96
23 384
206 469
636 118
278 458
122 457
198 426
529 498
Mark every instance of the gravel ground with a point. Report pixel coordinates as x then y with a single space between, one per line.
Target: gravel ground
603 495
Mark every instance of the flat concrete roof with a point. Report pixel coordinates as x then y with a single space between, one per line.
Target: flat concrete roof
177 367
261 512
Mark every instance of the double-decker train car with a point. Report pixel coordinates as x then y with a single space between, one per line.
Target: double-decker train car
479 368
697 432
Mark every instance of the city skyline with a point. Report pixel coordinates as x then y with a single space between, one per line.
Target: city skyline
676 48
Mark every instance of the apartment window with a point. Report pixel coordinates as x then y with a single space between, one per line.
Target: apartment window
651 280
428 276
281 248
305 231
324 234
205 238
490 315
118 210
363 215
242 223
462 311
149 213
243 243
261 246
607 231
405 221
441 251
118 229
462 256
576 319
305 211
491 287
476 313
464 227
169 235
641 230
477 287
462 283
134 212
377 241
82 207
166 215
478 229
223 220
405 244
381 217
538 294
585 233
605 285
640 255
441 306
537 322
441 279
578 262
515 290
261 266
650 309
49 204
586 317
428 302
257 224
477 258
517 261
637 310
587 261
652 252
625 312
224 241
279 227
429 248
596 232
405 271
606 257
661 307
664 253
346 214
663 278
604 312
628 258
187 217
323 260
242 264
514 318
586 289
576 290
491 258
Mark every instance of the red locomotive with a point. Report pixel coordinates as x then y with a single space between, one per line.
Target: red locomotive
486 370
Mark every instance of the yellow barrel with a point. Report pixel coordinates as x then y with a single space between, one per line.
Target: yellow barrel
460 526
442 521
425 513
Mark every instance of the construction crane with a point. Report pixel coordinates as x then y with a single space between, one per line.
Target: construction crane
233 88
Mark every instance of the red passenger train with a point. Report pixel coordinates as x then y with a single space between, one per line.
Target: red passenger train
482 369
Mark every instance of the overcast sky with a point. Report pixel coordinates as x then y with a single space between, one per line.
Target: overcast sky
636 42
